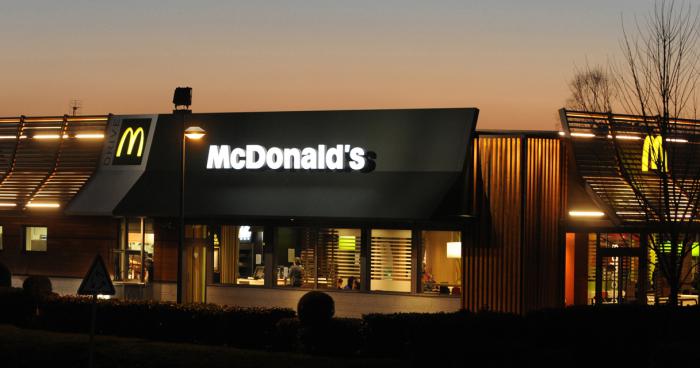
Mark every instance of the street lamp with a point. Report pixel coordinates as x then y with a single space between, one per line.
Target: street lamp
194 133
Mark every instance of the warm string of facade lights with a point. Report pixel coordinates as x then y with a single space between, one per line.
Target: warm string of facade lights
48 129
620 136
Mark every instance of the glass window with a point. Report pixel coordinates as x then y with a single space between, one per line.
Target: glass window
325 258
35 238
133 257
239 255
441 266
391 260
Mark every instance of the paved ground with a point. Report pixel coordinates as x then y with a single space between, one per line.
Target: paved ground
33 348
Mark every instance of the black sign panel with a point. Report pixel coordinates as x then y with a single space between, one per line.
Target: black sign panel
131 142
359 164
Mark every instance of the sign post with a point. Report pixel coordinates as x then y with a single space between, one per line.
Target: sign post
96 282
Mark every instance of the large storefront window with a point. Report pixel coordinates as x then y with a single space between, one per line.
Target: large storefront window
239 255
133 258
391 260
325 258
441 262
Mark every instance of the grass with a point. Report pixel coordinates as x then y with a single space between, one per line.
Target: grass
35 348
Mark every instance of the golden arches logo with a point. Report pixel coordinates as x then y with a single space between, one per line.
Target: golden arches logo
653 153
133 135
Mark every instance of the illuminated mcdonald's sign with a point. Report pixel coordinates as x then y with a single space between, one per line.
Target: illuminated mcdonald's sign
653 153
131 142
133 136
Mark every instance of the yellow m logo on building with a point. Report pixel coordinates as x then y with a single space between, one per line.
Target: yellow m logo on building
133 135
653 153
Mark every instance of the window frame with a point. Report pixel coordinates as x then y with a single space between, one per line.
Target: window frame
24 238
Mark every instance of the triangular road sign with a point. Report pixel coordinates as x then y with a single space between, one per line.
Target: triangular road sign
97 280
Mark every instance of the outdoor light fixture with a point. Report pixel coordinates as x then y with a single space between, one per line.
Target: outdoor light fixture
46 136
195 132
626 137
182 97
586 214
43 205
90 136
454 250
583 135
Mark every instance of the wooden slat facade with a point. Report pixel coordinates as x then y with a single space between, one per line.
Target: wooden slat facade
72 243
514 252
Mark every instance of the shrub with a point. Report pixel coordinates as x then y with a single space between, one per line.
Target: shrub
37 287
286 335
5 277
315 308
197 323
15 306
339 337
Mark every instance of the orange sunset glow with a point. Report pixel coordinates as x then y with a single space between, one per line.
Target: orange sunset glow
510 59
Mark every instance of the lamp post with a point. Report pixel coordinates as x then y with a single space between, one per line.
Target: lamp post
194 133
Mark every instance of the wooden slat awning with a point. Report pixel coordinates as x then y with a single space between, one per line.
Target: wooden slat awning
608 150
45 161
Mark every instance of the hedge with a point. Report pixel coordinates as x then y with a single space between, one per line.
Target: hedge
628 334
196 323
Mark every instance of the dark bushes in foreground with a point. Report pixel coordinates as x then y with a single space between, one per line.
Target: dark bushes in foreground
627 335
198 323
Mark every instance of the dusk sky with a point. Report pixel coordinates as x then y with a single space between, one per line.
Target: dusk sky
511 59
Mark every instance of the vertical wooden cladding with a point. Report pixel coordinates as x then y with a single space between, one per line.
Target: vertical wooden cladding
513 262
72 244
492 261
542 251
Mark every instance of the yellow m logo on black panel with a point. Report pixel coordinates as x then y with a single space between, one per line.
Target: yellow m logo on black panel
133 136
132 142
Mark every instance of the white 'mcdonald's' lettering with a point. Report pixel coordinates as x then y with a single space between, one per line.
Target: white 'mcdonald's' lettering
256 157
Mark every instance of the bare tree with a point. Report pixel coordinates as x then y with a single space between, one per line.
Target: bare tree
592 89
657 81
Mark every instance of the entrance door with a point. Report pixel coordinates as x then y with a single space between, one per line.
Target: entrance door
195 271
617 279
620 269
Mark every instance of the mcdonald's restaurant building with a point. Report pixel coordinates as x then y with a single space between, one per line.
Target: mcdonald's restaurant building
410 210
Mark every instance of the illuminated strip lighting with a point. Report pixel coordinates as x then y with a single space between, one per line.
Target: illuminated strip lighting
586 214
40 120
7 204
90 136
43 127
676 140
12 136
102 118
626 137
562 133
9 120
583 135
46 136
43 205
